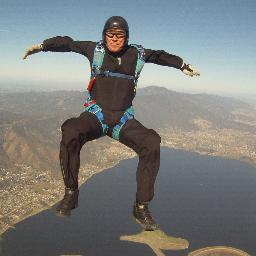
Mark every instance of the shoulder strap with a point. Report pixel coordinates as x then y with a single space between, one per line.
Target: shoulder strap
140 60
98 57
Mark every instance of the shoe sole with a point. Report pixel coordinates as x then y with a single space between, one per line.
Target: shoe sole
64 213
144 226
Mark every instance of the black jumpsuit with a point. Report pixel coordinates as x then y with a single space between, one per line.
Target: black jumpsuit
114 95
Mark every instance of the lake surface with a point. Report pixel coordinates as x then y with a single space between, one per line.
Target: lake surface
207 200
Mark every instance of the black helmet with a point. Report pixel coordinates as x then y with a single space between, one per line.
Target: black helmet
116 22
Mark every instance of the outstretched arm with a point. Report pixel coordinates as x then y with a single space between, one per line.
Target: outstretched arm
62 44
163 58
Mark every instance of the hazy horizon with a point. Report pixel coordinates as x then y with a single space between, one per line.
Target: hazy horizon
41 87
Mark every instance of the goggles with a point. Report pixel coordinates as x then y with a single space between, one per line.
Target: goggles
119 35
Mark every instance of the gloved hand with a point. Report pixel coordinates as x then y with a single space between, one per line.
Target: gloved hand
33 49
187 69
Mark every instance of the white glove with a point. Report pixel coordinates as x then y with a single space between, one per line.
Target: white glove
189 70
33 49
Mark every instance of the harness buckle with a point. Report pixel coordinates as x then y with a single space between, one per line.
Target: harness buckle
95 110
106 73
100 47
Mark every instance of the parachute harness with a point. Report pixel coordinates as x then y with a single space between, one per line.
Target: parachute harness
91 105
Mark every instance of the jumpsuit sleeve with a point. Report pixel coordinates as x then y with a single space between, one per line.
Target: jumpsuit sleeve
67 44
163 58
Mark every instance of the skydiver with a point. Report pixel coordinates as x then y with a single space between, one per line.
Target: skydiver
115 69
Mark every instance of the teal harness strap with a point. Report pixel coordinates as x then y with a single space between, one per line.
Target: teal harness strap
97 110
98 57
140 63
94 108
128 114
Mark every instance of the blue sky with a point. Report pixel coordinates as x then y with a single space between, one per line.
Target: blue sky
217 37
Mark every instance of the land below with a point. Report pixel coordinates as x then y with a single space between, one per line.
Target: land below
30 178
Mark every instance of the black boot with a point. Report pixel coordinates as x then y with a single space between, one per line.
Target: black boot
142 215
69 202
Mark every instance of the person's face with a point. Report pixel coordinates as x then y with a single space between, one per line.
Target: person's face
115 39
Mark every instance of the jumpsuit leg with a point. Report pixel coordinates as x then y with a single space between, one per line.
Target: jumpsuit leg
75 133
146 143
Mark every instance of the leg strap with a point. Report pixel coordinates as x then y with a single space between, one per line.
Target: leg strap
97 110
128 114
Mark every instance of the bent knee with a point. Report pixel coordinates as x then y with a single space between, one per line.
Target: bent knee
153 139
70 135
150 144
69 123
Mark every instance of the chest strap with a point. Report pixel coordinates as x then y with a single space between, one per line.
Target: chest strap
115 74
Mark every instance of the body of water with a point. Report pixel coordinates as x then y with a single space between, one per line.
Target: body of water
207 200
